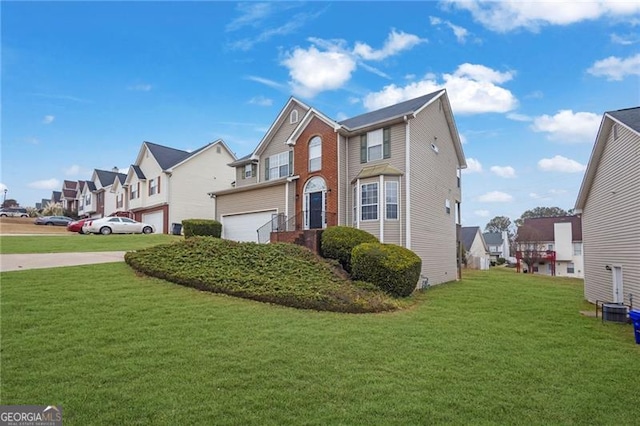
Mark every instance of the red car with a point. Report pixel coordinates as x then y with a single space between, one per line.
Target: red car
76 226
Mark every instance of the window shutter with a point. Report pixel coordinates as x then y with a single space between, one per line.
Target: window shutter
363 148
254 170
149 187
266 168
290 163
386 143
138 193
242 172
158 185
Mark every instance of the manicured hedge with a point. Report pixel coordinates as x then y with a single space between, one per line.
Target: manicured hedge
392 268
202 227
280 273
338 242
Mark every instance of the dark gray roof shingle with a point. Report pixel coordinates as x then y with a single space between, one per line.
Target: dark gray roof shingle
397 110
138 172
168 157
493 238
467 235
630 117
107 178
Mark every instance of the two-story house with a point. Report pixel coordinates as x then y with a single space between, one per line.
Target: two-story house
498 243
97 199
394 172
557 243
69 196
167 185
609 200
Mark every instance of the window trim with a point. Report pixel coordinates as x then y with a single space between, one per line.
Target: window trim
294 116
153 187
575 252
386 200
363 204
248 168
447 206
315 142
571 266
270 161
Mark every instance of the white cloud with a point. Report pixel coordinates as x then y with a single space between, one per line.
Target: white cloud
266 82
625 40
2 187
261 101
614 68
463 139
45 184
506 16
518 117
396 42
48 119
481 213
142 87
495 197
460 32
535 196
560 164
313 71
567 126
557 191
472 89
473 166
250 15
505 172
73 170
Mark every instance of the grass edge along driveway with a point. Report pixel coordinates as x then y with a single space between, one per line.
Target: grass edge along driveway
112 347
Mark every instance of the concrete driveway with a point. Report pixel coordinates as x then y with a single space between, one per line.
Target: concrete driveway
20 262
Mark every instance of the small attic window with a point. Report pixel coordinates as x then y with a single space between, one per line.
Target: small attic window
293 117
218 150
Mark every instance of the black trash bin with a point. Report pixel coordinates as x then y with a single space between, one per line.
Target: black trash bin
176 228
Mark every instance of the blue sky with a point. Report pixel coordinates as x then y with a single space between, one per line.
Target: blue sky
85 83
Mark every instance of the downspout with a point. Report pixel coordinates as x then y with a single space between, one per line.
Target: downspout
407 161
286 199
381 197
358 203
339 169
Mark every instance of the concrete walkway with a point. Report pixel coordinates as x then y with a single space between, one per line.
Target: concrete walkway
20 262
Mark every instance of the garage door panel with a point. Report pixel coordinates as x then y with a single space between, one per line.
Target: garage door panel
244 227
156 219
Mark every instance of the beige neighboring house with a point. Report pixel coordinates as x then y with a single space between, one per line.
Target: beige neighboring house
167 185
609 200
475 247
394 172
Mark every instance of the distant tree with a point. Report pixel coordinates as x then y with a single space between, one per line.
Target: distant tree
499 224
10 202
541 212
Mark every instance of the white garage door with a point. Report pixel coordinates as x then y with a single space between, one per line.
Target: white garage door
244 227
156 219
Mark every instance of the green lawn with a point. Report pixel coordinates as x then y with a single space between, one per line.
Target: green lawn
80 243
112 347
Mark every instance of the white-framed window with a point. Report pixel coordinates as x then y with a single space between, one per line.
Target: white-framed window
87 199
279 165
571 268
247 171
355 205
153 186
315 154
550 247
391 200
293 117
369 201
374 145
447 206
577 249
134 192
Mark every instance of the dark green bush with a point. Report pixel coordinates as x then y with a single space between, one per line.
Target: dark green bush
501 261
392 268
280 273
338 241
203 227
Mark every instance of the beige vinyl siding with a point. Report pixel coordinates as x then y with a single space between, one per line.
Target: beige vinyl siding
190 182
255 200
433 180
277 143
397 160
241 180
611 219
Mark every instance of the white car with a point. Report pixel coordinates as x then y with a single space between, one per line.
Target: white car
116 225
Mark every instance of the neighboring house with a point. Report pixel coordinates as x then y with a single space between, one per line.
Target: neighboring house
394 172
102 198
167 185
559 243
609 200
56 197
475 247
82 193
119 192
69 196
498 243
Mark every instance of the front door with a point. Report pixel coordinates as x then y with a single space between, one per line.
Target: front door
315 210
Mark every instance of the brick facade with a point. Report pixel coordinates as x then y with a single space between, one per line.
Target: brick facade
328 170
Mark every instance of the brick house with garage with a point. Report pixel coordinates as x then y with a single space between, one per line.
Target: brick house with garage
394 172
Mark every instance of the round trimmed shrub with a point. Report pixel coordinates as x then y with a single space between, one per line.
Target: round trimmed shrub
337 242
204 227
392 268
